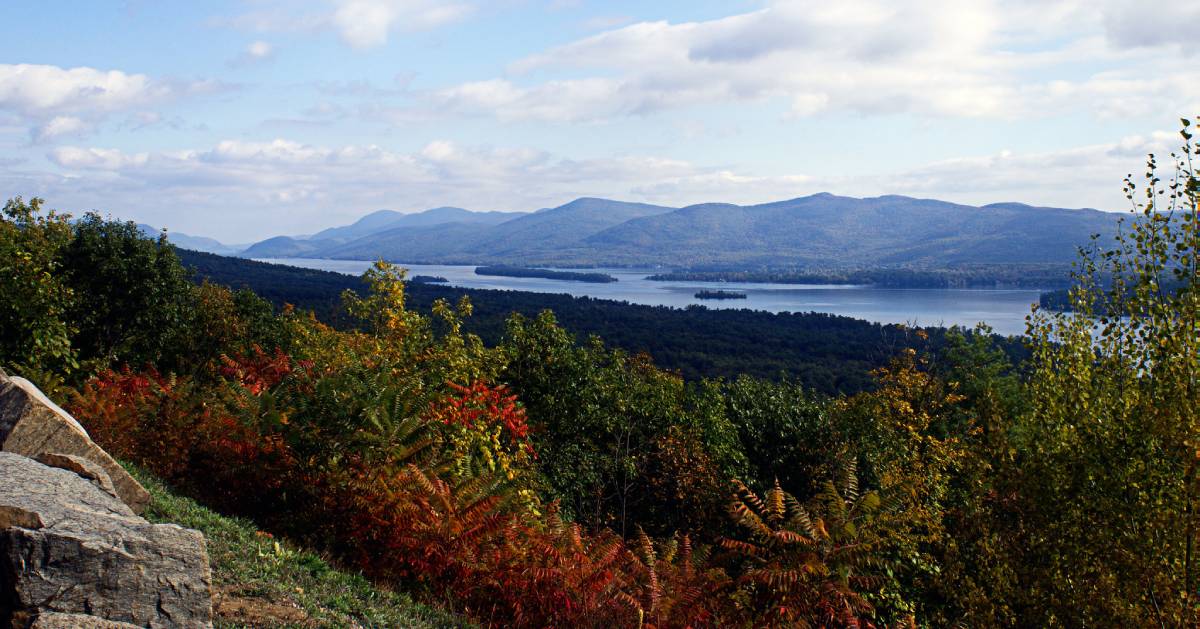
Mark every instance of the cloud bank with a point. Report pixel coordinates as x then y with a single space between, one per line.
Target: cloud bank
222 190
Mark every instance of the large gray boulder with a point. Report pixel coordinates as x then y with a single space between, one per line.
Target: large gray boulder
67 546
32 425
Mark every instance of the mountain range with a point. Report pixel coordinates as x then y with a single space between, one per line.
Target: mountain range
195 243
817 231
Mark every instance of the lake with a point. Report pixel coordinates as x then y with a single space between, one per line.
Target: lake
1004 310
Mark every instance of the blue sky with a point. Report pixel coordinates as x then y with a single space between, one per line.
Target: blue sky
246 119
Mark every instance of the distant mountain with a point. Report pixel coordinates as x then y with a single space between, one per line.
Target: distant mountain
433 243
324 243
195 243
547 232
819 231
828 230
383 220
284 247
540 235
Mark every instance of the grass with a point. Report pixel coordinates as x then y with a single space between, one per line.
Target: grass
259 581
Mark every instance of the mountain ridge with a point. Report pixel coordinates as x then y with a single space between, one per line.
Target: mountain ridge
388 219
821 230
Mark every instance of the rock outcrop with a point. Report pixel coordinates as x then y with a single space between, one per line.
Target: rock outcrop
73 551
32 425
69 547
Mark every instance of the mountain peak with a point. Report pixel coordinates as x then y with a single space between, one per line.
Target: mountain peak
822 229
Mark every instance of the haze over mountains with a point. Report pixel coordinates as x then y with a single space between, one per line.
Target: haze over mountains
822 230
195 243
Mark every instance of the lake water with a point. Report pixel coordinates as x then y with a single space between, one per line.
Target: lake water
1004 310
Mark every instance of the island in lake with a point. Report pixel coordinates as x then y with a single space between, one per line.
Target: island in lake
1007 276
719 294
520 271
429 279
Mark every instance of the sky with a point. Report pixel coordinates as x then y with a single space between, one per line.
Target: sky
245 119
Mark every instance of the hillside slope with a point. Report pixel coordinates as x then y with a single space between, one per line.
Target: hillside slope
261 582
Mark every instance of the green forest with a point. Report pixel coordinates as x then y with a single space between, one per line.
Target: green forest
537 476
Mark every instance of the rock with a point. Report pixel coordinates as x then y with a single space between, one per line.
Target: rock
82 467
31 425
68 547
76 621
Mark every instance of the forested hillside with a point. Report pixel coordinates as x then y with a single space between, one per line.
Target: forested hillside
547 481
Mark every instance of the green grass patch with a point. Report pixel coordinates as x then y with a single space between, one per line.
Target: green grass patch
259 581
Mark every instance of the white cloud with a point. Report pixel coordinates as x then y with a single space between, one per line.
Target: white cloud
256 189
253 189
1086 176
1074 177
605 22
40 89
60 126
1133 24
255 52
367 23
54 102
557 101
259 50
96 158
972 58
360 23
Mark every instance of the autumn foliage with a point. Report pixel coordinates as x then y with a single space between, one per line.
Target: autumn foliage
548 482
432 485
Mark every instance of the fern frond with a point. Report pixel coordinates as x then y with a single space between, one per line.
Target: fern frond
850 479
801 521
775 511
834 502
748 496
790 537
749 549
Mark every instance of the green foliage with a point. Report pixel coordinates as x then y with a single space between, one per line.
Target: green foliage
82 295
597 416
34 329
977 557
220 321
785 431
1110 446
131 293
